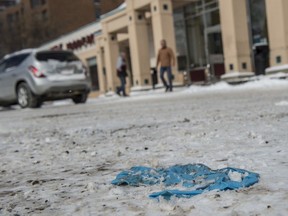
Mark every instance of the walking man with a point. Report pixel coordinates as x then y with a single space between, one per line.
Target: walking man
166 59
122 74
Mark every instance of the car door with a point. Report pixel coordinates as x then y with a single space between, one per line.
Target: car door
9 77
7 83
2 81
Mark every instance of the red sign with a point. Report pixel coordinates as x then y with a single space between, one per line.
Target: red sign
59 47
83 42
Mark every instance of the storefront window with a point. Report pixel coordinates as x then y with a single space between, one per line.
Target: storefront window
215 43
259 35
181 39
258 21
213 17
199 38
196 43
203 31
93 70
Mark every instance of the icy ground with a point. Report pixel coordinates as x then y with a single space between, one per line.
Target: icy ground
60 160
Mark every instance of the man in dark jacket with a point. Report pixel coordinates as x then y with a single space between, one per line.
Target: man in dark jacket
122 74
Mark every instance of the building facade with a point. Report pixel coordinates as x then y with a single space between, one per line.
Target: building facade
7 3
105 6
30 23
211 38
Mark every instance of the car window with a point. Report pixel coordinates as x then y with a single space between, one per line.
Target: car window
2 66
56 55
16 60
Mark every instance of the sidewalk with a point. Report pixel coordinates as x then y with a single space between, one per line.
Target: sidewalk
94 94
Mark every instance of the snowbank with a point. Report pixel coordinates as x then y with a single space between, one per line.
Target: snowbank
282 103
276 69
264 83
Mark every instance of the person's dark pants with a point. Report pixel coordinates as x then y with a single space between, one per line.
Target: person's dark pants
170 77
122 87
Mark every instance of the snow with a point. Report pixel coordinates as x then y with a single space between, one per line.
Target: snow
279 75
24 51
237 75
52 64
277 69
60 160
123 6
235 176
261 84
282 103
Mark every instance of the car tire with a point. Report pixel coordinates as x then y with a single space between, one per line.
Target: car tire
26 98
80 99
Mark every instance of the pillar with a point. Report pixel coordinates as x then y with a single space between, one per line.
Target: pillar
277 19
235 35
101 65
111 53
163 28
139 48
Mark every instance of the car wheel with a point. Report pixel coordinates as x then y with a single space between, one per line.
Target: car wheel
25 97
80 99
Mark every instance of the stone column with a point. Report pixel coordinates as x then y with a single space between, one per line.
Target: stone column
163 28
101 65
235 35
111 53
277 18
139 48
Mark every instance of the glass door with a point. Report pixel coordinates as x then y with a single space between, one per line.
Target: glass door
215 51
259 35
93 70
204 40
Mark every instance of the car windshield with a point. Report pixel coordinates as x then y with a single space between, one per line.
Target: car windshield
58 56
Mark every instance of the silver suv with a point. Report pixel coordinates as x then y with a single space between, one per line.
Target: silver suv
30 77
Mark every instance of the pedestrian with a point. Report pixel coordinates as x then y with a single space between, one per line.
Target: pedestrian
166 59
122 74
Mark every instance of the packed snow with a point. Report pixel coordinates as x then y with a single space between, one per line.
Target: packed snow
60 160
282 103
277 68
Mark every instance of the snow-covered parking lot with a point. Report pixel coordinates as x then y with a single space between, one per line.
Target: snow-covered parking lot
61 159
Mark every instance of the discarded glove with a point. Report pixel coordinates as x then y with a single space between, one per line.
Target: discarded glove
197 178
